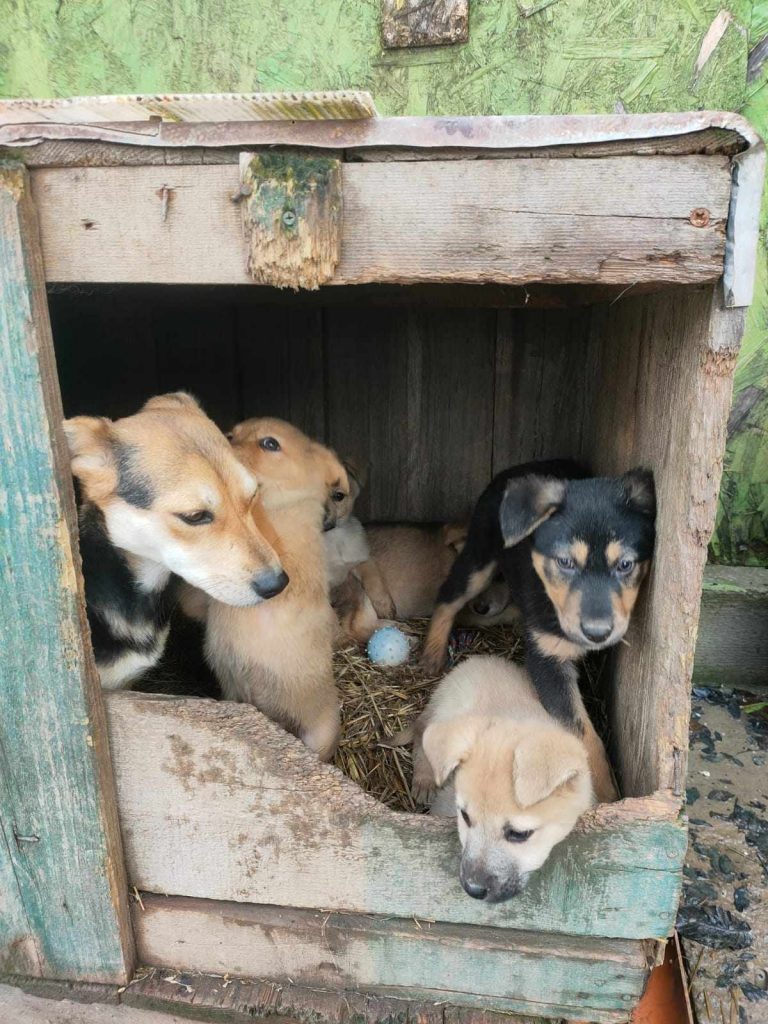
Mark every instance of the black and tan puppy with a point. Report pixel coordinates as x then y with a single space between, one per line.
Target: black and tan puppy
574 552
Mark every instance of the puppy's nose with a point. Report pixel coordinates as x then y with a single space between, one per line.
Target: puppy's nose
481 607
596 630
329 520
269 584
475 890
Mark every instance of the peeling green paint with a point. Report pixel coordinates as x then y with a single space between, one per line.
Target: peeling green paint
558 57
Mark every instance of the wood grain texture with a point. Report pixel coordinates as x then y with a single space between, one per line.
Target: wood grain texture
418 23
665 372
231 807
732 640
461 965
292 207
615 220
59 835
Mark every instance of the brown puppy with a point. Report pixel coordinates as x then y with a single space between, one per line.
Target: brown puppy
282 662
517 779
402 575
160 492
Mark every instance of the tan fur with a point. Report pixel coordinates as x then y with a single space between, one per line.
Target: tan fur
613 552
557 646
567 602
187 466
282 661
486 741
436 642
580 553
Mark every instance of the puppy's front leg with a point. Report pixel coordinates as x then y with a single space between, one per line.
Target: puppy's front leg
423 785
320 724
373 583
470 574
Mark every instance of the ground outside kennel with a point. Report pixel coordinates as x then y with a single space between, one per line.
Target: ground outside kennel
444 298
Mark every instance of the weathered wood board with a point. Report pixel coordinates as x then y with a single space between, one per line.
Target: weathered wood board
664 374
424 22
732 642
461 965
62 899
617 220
230 807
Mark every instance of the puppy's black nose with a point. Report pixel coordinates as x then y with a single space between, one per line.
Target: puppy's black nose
476 891
270 584
481 607
596 631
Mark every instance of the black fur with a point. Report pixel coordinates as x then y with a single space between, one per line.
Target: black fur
595 510
110 587
133 486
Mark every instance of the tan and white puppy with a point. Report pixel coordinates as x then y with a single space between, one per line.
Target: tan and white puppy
281 662
517 779
161 492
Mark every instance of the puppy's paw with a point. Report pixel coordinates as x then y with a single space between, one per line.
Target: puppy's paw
385 607
423 792
432 661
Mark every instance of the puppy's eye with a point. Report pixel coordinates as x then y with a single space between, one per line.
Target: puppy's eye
625 566
465 816
199 518
513 836
338 496
565 563
269 444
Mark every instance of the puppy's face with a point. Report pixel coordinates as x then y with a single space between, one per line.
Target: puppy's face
591 545
519 792
290 466
172 493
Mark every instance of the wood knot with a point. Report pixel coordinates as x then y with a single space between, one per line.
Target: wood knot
700 217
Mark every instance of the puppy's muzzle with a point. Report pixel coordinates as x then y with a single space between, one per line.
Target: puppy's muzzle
329 519
269 584
481 885
597 631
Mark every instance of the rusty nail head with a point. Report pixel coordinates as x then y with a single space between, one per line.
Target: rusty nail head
699 217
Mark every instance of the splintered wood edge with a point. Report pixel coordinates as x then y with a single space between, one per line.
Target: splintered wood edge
294 760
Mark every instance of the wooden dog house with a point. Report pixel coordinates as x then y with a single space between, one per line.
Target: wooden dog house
494 289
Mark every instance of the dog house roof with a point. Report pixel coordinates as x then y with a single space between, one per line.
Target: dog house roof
348 120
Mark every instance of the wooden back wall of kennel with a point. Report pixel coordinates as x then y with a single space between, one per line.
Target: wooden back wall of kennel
255 860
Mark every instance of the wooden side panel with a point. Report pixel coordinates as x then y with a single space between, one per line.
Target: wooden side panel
665 375
231 807
466 966
617 220
59 835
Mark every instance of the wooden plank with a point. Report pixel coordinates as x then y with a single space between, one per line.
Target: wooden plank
367 402
280 364
732 641
470 966
291 204
416 23
105 352
665 370
542 386
196 352
212 998
58 816
230 807
606 221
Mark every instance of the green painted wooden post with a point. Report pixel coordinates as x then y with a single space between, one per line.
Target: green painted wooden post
63 896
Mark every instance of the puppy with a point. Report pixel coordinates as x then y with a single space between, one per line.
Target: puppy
160 492
402 575
346 545
517 780
281 662
574 551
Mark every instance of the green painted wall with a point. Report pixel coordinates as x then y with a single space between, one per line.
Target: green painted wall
569 56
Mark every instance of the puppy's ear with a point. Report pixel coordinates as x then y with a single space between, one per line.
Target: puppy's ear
545 760
447 744
91 449
455 536
357 471
173 401
640 490
527 502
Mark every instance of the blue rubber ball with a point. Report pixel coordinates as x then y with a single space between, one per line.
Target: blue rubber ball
389 646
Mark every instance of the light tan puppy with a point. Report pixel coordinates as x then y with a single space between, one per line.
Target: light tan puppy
517 780
282 662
